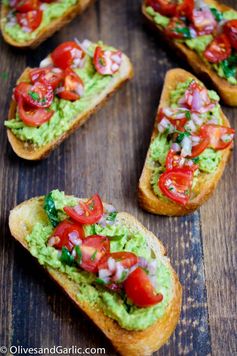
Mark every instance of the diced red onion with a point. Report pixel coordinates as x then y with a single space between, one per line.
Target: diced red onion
190 126
152 267
104 274
54 240
186 146
47 62
78 209
142 262
74 238
227 137
59 90
43 7
119 272
111 264
197 119
164 125
176 147
80 90
110 208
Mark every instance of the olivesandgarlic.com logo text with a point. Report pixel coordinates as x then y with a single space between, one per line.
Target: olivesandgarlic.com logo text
55 350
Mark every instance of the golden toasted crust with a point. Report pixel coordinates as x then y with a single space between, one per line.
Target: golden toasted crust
203 69
130 343
29 152
206 181
46 32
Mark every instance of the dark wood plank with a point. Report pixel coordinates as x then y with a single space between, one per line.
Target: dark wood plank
107 155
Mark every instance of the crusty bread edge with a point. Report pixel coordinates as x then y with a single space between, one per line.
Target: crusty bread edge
228 92
129 343
48 31
147 198
28 152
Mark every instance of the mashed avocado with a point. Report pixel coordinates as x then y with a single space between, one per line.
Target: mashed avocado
208 160
158 18
199 43
64 111
122 238
51 12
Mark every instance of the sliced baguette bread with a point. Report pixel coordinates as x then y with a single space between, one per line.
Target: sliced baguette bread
227 92
44 32
29 152
129 343
207 182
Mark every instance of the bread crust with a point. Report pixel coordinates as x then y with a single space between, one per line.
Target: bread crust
29 152
130 343
44 33
207 181
227 92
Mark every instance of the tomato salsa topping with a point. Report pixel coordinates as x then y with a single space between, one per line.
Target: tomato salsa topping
120 272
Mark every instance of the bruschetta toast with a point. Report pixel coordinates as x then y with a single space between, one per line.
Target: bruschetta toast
111 266
27 23
51 102
190 146
201 32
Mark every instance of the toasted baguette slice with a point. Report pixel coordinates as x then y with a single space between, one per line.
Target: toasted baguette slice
129 343
45 32
29 152
227 92
207 182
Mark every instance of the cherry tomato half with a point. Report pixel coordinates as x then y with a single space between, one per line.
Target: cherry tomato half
88 212
29 20
66 234
127 259
178 124
218 50
107 62
93 249
176 184
51 75
38 95
230 29
200 147
26 5
185 9
73 86
164 7
140 290
65 55
33 117
220 137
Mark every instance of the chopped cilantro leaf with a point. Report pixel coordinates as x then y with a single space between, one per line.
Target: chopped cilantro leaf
51 210
112 216
184 31
93 257
188 115
79 254
35 96
217 14
181 135
66 257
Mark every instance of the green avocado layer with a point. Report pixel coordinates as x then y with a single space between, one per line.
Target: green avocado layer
65 111
122 238
51 12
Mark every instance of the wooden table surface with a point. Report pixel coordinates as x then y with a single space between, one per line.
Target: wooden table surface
107 155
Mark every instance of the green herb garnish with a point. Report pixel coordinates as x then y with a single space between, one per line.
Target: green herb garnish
51 211
196 160
93 257
35 96
112 216
66 257
188 115
217 14
229 66
184 31
181 135
79 254
100 281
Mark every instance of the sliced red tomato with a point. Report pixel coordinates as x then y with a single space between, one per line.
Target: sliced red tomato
176 184
218 50
93 249
127 259
140 290
72 87
26 5
33 117
88 212
203 21
164 7
67 55
50 75
66 234
30 20
173 160
38 95
177 29
185 9
200 147
107 62
220 137
230 29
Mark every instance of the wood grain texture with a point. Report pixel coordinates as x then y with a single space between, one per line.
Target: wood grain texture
107 155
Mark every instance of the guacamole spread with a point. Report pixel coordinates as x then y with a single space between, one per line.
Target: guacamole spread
65 111
122 238
226 69
51 12
208 160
